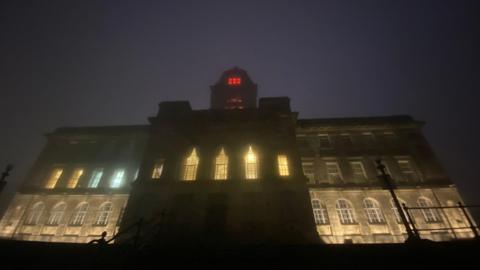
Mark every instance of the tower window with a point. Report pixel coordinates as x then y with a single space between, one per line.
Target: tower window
234 81
190 166
283 165
77 173
251 165
157 169
96 176
53 179
117 179
221 166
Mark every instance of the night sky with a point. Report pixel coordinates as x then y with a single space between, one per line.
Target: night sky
69 63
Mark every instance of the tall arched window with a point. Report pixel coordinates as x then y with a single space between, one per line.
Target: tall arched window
430 215
190 166
56 214
320 212
79 215
345 212
395 209
221 166
34 214
251 164
372 211
103 214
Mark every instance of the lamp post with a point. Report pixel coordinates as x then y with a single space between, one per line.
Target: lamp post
386 178
6 173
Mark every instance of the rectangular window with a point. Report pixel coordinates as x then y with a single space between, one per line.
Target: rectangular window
390 138
407 171
308 169
333 172
358 171
324 141
117 178
53 179
283 165
368 140
346 140
157 169
95 179
77 173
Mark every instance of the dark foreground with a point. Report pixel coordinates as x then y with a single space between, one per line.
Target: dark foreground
38 255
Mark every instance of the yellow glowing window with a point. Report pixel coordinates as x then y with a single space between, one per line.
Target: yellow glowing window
157 169
251 165
190 167
283 165
221 166
53 179
72 183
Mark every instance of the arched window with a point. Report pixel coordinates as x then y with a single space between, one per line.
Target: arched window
345 212
430 215
103 214
56 214
251 164
395 210
320 212
34 214
283 169
221 166
373 211
190 166
79 215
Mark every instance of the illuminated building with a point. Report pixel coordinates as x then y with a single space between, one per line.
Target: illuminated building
235 173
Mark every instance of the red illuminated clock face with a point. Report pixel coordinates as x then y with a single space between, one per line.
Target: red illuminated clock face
234 81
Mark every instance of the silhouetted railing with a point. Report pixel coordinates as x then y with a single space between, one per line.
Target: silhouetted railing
471 224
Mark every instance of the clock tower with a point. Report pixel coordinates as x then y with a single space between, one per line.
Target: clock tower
234 91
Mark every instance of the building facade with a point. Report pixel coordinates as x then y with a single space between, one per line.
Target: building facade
236 173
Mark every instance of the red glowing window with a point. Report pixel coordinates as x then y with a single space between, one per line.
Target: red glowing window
234 81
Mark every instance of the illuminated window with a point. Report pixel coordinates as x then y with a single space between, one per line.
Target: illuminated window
283 165
234 81
117 178
157 169
320 212
430 215
95 179
190 166
373 211
77 173
345 212
56 214
358 171
34 214
103 214
221 166
333 172
53 179
79 214
251 166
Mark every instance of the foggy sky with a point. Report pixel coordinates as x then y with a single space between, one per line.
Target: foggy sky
80 63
